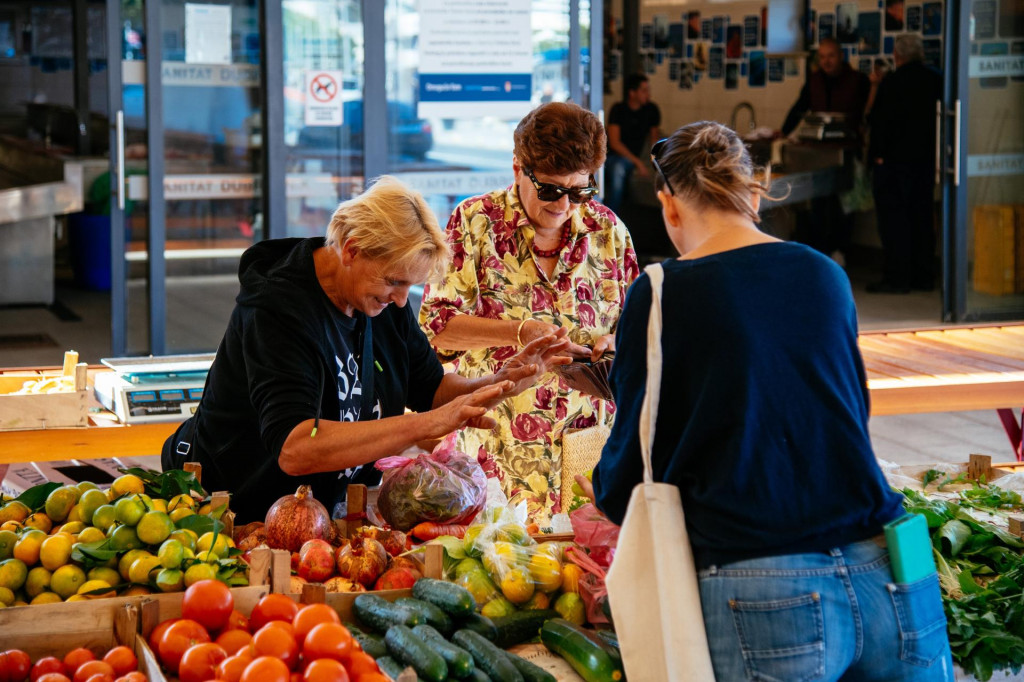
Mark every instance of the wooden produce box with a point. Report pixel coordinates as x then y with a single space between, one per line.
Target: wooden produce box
998 249
43 410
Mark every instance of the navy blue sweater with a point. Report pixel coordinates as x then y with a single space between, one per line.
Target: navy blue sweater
763 420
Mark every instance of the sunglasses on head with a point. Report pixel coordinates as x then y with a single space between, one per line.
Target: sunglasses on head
549 192
656 151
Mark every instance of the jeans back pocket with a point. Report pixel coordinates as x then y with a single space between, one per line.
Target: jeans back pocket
782 640
921 620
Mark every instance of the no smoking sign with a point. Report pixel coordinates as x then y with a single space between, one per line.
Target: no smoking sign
323 98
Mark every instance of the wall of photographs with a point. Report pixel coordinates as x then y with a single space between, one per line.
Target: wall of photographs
704 59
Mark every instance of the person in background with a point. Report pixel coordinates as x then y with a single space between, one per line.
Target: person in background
763 426
632 127
288 400
901 153
539 256
833 87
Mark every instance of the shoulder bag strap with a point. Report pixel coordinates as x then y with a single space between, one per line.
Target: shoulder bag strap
649 411
366 373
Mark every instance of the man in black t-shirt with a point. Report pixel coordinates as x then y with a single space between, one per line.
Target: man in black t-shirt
632 127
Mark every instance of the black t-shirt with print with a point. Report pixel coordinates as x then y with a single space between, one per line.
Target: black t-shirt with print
287 355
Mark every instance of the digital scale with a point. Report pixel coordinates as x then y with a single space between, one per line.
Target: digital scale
153 389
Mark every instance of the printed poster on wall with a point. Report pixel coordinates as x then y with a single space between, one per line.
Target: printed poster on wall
207 34
693 27
758 69
869 31
826 26
984 19
776 69
716 63
914 18
476 58
751 31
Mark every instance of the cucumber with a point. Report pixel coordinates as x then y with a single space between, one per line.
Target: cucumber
380 614
371 643
409 649
529 671
390 667
488 657
482 625
453 599
459 661
520 626
478 675
431 614
587 657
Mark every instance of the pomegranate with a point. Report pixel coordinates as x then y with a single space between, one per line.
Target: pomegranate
362 561
316 561
293 519
399 578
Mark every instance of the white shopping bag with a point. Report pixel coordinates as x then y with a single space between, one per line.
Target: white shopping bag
652 582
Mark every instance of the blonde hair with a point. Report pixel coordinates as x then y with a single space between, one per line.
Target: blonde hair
706 163
392 224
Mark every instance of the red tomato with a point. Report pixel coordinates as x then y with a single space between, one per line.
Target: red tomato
310 615
74 659
53 677
232 667
49 664
158 632
236 621
15 664
360 663
133 676
200 662
325 670
100 677
209 603
234 641
372 677
327 640
90 668
274 640
177 639
266 669
122 660
272 607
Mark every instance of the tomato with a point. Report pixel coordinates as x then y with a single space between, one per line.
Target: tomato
327 640
49 664
232 667
234 641
310 615
372 677
266 669
274 640
360 663
15 665
100 677
177 639
75 658
53 677
90 668
272 607
200 662
122 660
209 603
236 621
133 676
325 670
158 633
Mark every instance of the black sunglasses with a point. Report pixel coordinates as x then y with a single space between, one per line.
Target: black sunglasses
549 192
655 153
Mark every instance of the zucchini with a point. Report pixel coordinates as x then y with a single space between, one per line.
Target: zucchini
529 671
431 614
390 667
379 614
587 657
488 657
520 626
609 643
460 663
409 649
482 625
453 599
609 636
372 644
478 675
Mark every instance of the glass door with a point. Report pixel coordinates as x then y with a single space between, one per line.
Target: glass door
984 165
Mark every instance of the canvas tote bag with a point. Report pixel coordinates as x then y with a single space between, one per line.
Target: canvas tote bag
652 582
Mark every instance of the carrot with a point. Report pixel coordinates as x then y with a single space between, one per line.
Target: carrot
429 530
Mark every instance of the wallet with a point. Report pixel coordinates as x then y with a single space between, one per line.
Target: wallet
586 377
910 548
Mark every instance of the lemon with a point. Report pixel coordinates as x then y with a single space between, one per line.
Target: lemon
6 596
171 553
55 551
91 534
546 572
46 598
75 514
199 571
502 556
218 544
128 558
181 502
37 582
124 537
72 527
571 578
93 586
76 597
27 547
517 585
86 485
186 537
90 501
208 557
154 527
159 504
128 484
479 584
170 580
104 573
104 517
180 513
570 606
14 511
8 538
39 521
67 580
13 573
140 569
129 510
60 501
497 607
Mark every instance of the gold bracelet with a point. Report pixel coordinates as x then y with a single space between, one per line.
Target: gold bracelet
519 331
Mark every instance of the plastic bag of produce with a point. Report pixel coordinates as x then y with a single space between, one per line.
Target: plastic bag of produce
595 533
444 486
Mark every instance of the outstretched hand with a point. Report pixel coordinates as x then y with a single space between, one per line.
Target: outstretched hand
536 358
469 409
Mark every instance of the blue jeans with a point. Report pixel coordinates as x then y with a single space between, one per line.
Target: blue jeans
833 615
617 170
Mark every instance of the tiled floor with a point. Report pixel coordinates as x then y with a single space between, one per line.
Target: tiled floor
910 439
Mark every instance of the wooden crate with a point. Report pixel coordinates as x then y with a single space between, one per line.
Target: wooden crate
43 410
995 250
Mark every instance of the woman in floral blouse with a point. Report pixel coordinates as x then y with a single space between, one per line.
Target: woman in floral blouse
538 255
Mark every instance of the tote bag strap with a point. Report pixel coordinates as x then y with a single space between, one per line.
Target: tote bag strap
649 411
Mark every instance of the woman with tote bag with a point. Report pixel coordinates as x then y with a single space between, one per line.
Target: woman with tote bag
759 420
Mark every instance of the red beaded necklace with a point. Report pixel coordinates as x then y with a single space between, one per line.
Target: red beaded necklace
553 253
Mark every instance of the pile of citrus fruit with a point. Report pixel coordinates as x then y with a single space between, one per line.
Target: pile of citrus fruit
87 543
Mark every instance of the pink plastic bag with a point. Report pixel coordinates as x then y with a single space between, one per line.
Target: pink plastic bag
444 486
598 536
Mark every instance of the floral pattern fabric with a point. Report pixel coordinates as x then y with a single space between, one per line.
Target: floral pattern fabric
494 274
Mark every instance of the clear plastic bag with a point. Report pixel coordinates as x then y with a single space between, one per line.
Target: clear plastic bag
443 486
597 538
